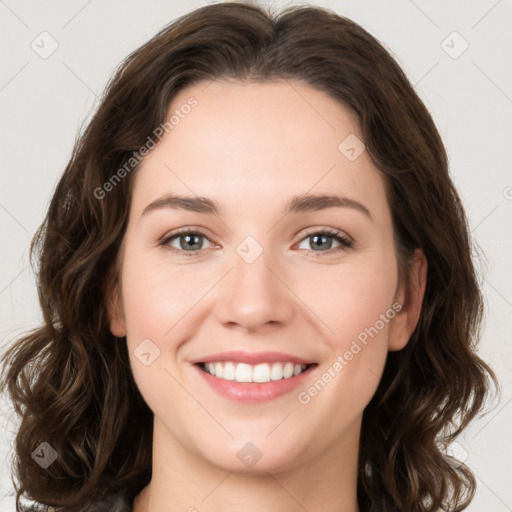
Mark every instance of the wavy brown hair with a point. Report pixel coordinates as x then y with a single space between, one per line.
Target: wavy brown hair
70 379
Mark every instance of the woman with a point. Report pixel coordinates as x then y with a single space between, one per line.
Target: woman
259 369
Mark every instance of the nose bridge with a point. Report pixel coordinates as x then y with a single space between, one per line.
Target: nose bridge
254 295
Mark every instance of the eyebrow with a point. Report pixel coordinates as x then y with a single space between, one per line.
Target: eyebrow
296 204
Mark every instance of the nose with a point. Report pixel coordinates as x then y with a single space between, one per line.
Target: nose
255 295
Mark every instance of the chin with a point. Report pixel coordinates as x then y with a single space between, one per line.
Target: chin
255 457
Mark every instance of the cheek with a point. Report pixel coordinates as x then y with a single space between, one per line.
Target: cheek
359 312
156 295
353 301
154 301
357 306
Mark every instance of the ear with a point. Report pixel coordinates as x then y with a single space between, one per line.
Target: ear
410 296
115 310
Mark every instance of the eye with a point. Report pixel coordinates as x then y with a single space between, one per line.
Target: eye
186 239
320 239
192 239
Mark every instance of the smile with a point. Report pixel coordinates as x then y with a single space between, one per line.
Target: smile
263 372
256 383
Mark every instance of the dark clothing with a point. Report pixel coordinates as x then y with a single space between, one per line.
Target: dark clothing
112 503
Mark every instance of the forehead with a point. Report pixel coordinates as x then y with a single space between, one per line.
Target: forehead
252 145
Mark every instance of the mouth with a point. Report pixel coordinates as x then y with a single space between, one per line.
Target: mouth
259 373
254 383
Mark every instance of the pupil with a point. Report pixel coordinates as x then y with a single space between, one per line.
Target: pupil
316 237
188 237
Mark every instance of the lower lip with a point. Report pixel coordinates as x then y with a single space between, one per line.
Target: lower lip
253 392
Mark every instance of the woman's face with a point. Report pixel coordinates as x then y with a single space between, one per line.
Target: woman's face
262 283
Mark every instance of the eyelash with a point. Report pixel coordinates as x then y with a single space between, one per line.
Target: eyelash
345 243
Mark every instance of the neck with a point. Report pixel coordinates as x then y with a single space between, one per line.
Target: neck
183 481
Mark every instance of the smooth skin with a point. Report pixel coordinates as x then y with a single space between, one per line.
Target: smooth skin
251 147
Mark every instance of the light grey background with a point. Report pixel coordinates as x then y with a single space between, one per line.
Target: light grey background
44 101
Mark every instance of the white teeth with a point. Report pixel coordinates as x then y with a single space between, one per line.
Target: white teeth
243 372
263 372
229 372
277 371
288 370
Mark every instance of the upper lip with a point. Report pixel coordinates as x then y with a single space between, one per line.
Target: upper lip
240 356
